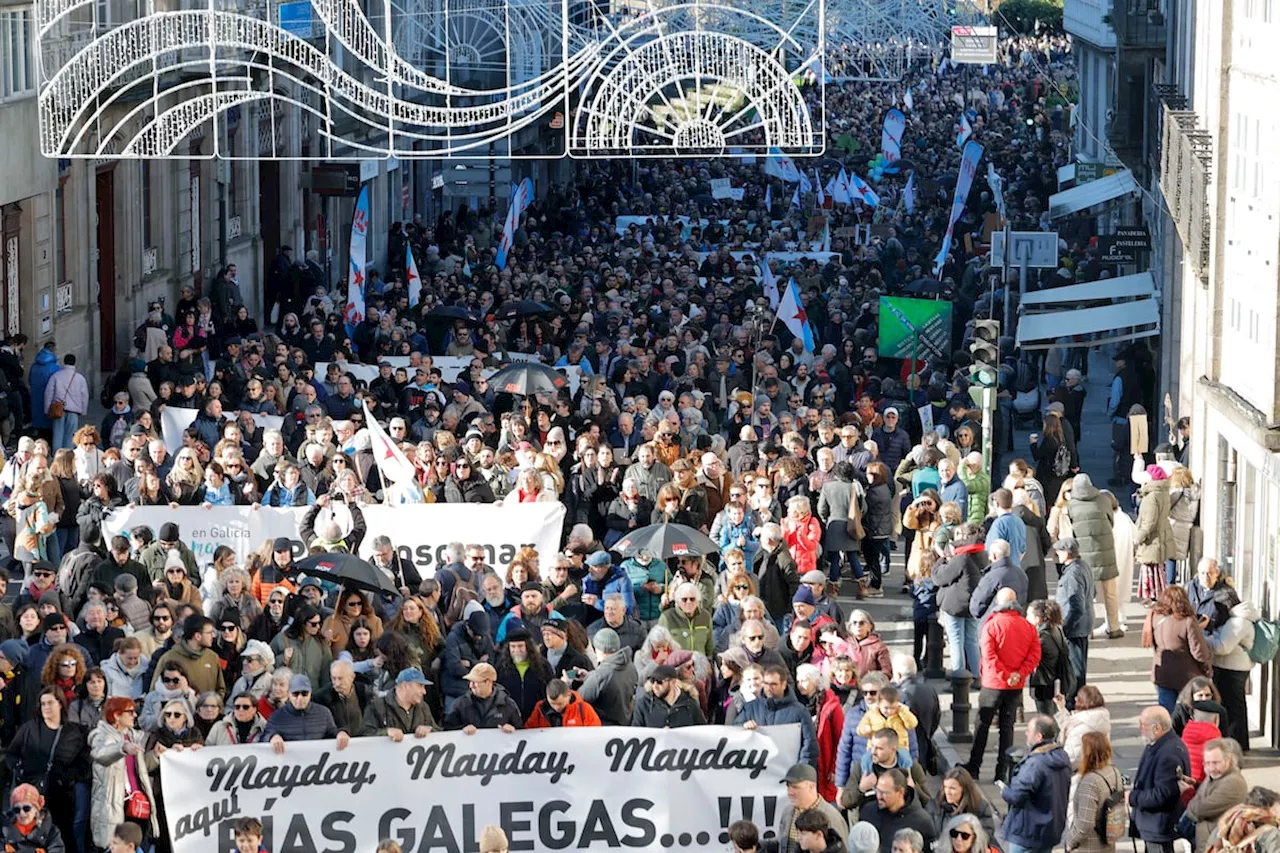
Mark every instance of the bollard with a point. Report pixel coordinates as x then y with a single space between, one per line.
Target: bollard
933 652
960 707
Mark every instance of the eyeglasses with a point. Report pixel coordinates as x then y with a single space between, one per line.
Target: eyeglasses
959 833
226 628
25 808
300 693
314 623
174 715
754 637
172 680
742 586
68 662
240 707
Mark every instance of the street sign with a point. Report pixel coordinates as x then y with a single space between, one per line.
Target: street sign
1123 246
295 18
1086 172
902 319
975 45
1039 247
1134 236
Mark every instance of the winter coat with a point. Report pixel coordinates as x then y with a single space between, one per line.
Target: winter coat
492 713
804 539
1039 552
153 704
1212 800
1195 734
1075 596
224 732
1055 663
1181 651
203 668
527 690
42 370
941 811
693 634
384 712
611 688
911 816
460 646
630 633
1092 520
827 730
315 722
834 503
1092 792
877 521
1155 799
776 580
653 713
776 712
576 714
1230 644
1003 573
1153 534
958 578
979 487
45 838
27 756
110 780
853 746
311 657
122 681
1037 798
1008 644
1075 725
1212 603
870 654
1184 511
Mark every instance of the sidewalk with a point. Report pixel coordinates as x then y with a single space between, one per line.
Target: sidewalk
1120 668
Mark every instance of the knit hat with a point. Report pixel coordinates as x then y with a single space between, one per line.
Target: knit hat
1155 472
174 560
478 622
169 532
53 620
863 838
26 793
229 614
605 641
15 652
803 595
492 839
50 596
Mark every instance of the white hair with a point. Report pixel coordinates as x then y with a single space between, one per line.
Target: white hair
999 548
903 663
809 672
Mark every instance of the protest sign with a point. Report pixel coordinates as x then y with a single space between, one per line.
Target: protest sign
173 423
420 532
919 325
554 789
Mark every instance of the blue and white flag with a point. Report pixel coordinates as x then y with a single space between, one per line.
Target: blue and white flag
964 181
997 187
908 101
963 131
840 193
826 235
781 166
909 194
795 198
805 186
860 190
414 281
520 201
817 183
770 284
768 197
792 314
891 136
353 314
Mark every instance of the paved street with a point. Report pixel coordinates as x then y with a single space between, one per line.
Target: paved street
1120 668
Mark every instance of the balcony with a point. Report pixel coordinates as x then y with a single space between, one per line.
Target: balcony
1186 160
1139 24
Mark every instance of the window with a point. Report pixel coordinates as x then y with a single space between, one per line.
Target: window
17 69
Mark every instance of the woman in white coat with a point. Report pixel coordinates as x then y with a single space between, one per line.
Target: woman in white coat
1230 645
117 748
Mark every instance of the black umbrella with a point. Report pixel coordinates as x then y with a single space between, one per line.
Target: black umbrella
528 378
522 308
667 540
926 287
452 312
347 570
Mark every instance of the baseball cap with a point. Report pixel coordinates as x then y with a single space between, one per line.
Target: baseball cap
282 543
300 684
800 773
412 675
482 672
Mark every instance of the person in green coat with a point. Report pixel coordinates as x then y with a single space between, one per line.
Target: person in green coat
978 481
688 622
300 647
649 580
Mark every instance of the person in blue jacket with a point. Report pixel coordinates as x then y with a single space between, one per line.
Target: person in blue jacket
1155 798
1038 792
42 370
604 578
778 706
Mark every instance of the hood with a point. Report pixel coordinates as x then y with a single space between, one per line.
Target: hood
1154 486
46 357
1246 610
621 659
1055 757
1083 488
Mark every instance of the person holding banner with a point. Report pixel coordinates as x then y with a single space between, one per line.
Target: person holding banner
487 705
402 711
299 719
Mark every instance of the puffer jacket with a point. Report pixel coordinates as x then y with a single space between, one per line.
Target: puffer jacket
1230 644
958 578
45 838
1154 534
870 654
778 712
110 780
1092 519
979 486
1008 644
1184 510
460 646
492 713
122 681
853 746
877 521
1037 798
224 733
1075 725
315 722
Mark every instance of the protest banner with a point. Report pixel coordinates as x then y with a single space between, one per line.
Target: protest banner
420 532
914 326
173 423
553 789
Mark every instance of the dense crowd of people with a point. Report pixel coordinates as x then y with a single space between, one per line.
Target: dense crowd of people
808 469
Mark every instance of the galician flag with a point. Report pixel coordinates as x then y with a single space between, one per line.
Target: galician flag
826 235
792 314
781 166
768 197
414 283
861 191
817 182
520 200
963 131
841 192
353 314
908 100
394 465
770 284
909 194
795 198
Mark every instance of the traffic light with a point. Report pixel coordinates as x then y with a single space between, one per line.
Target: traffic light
985 349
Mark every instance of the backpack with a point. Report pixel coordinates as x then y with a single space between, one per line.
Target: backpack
1061 461
463 592
1266 641
1113 816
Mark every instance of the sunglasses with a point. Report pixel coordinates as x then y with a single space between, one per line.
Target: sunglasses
173 715
741 586
314 623
226 628
300 693
67 662
960 833
240 707
41 575
25 808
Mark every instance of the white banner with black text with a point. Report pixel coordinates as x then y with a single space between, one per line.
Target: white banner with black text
420 532
549 790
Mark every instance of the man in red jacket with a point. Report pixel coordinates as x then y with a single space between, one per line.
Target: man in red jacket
1010 653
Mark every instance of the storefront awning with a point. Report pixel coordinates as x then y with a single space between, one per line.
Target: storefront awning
1085 196
1122 322
1124 287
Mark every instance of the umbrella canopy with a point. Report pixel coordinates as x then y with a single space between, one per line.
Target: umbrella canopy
528 378
522 308
925 287
667 540
452 312
348 570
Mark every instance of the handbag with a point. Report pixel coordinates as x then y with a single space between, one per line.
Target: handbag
137 806
57 409
41 782
853 524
